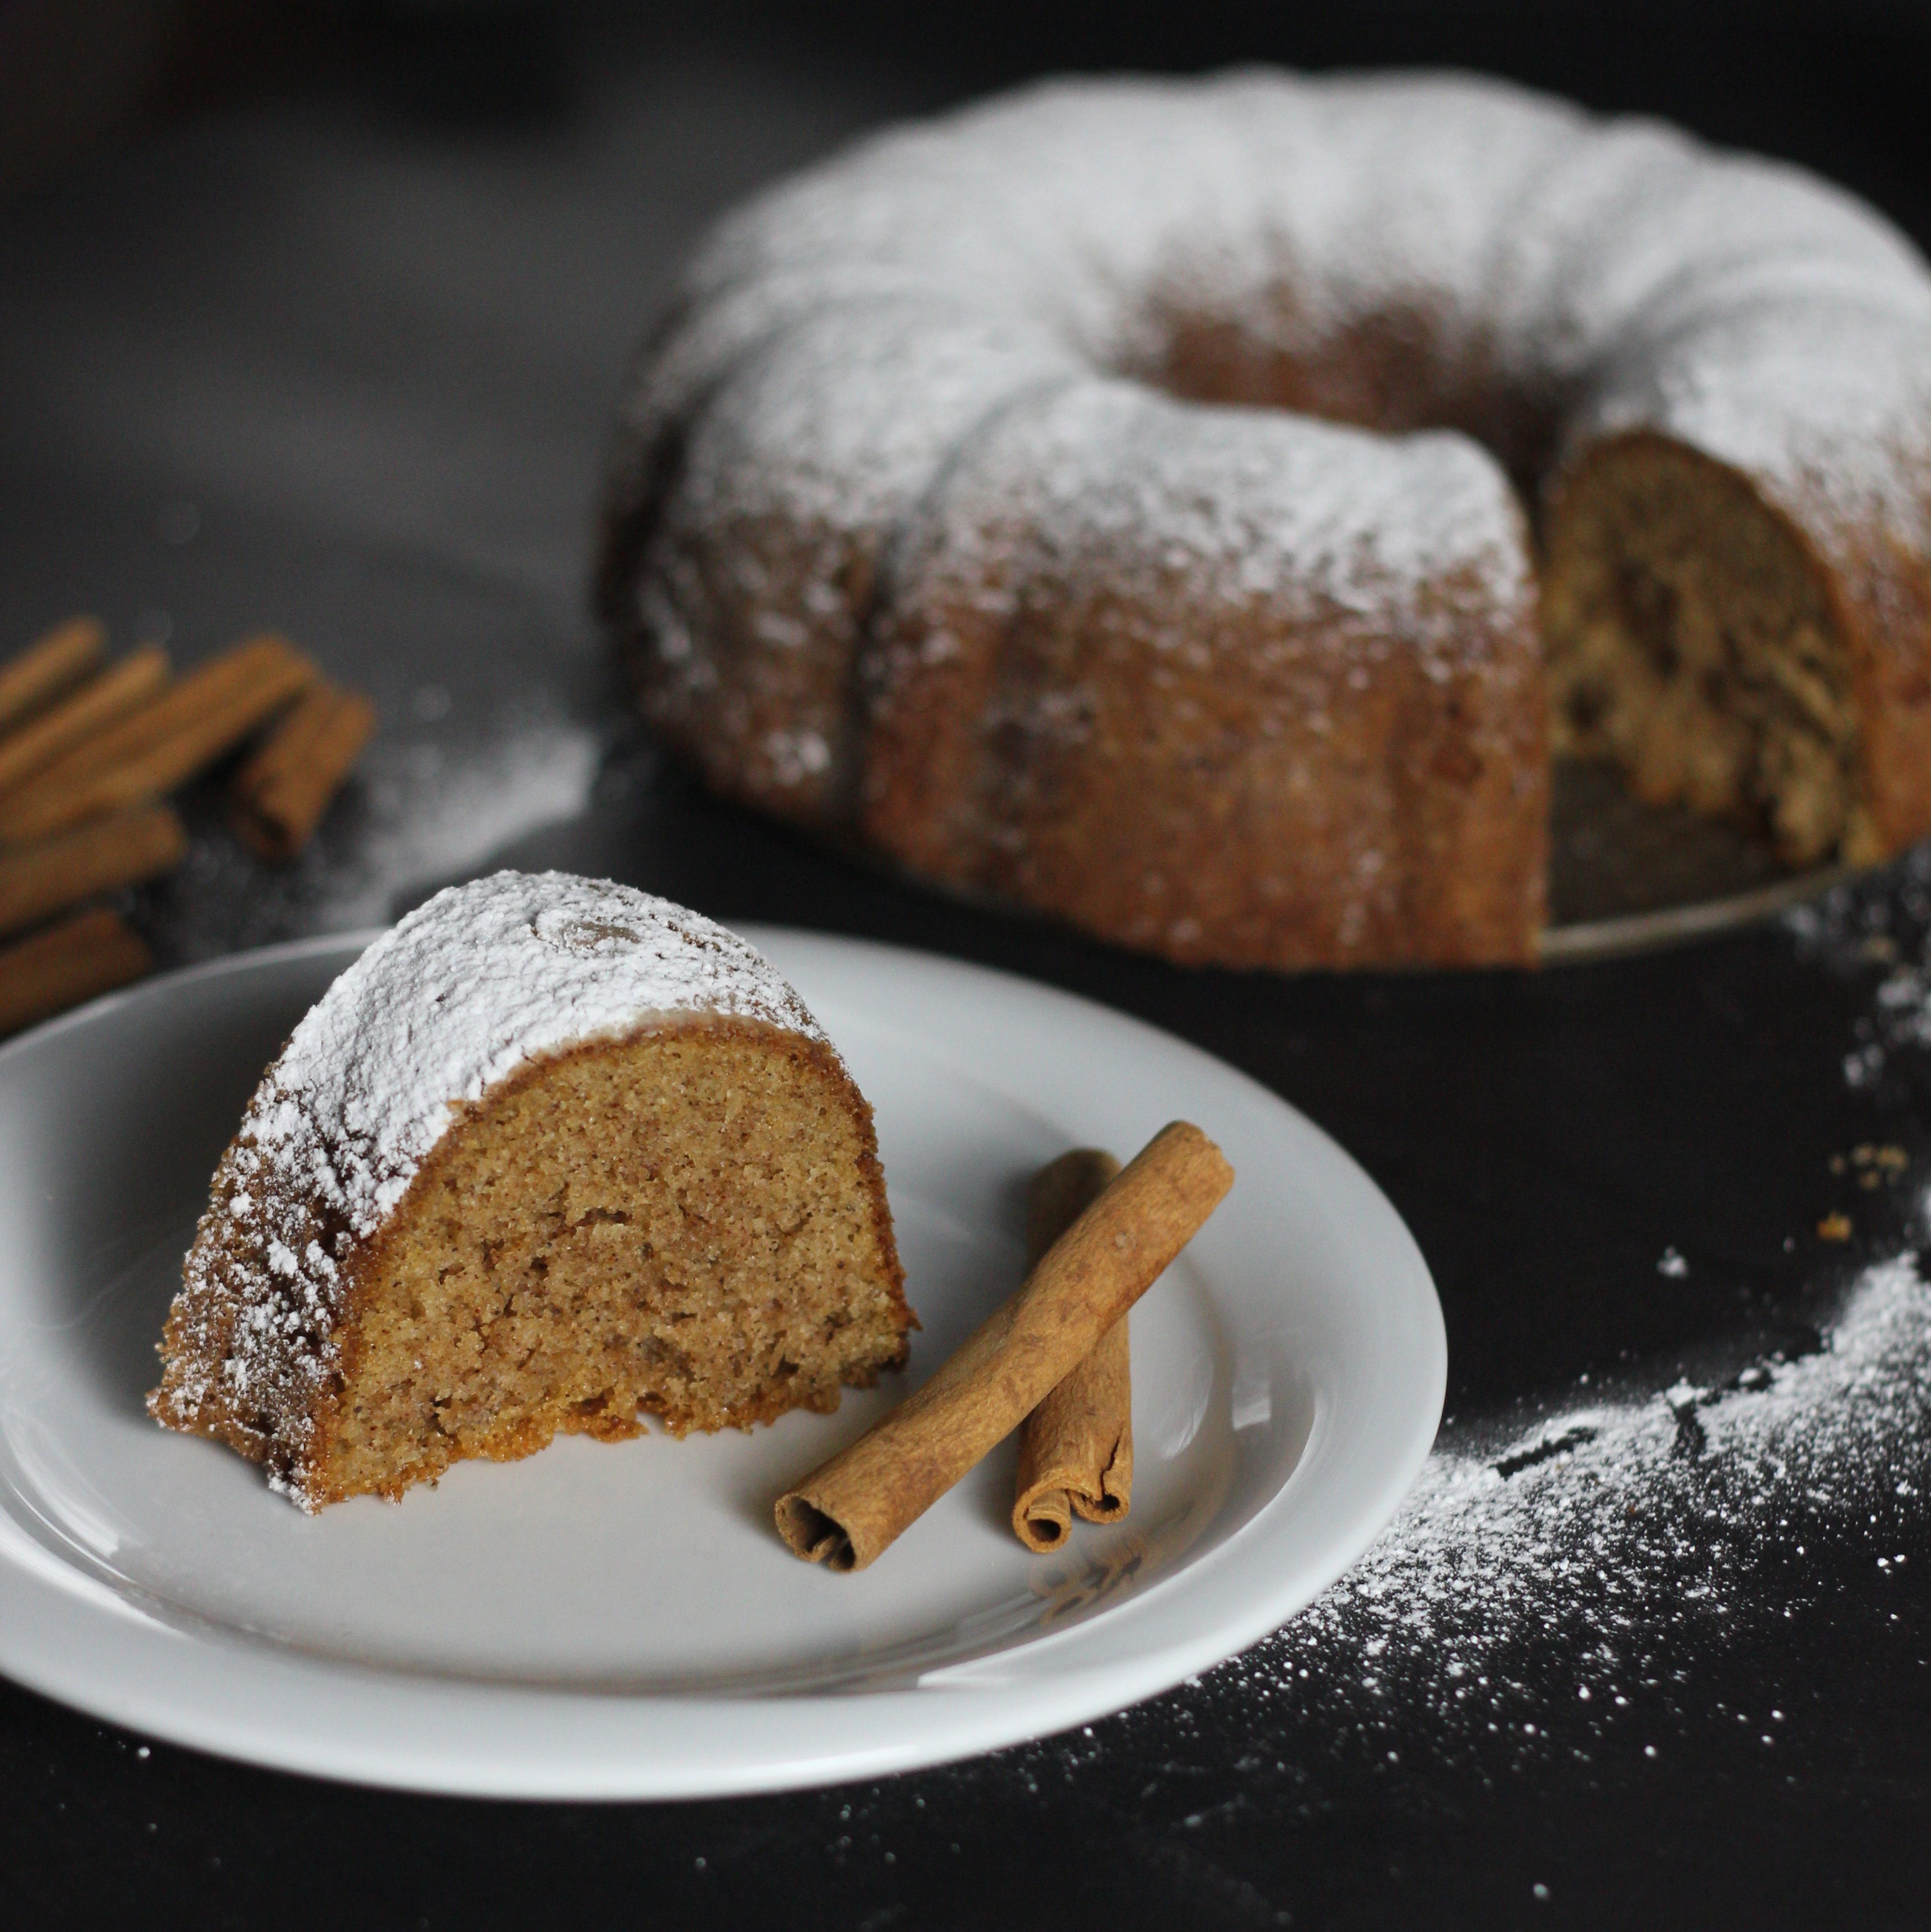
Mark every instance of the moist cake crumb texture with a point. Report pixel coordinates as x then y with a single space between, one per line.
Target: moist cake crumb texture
551 1153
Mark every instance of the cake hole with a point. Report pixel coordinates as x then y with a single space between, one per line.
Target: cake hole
1396 370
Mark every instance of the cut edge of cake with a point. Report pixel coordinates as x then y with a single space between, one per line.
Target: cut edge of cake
685 1217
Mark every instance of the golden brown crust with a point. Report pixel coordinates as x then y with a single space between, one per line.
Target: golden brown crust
1297 814
1882 600
198 1332
769 727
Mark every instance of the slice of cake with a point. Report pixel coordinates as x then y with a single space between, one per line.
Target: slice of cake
551 1153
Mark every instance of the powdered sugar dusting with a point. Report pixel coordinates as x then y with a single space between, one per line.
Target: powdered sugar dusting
951 338
793 484
1189 509
480 981
470 986
1619 265
433 816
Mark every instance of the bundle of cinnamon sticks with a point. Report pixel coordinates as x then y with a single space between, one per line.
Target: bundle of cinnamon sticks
1052 1362
89 752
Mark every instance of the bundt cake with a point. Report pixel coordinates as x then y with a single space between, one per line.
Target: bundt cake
550 1153
1200 510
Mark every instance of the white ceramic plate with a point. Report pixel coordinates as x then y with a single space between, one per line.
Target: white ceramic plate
621 1621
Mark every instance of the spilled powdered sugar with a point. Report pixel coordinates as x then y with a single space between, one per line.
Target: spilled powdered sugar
1542 1589
1855 929
1539 1605
418 813
1586 1555
432 817
1621 1531
1609 1522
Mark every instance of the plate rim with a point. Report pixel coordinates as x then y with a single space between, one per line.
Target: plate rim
811 1739
1624 934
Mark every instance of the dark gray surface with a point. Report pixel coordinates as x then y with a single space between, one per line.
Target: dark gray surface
342 371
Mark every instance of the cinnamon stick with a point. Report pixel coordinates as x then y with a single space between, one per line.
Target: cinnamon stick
845 1514
110 697
189 726
46 668
99 856
281 793
68 964
1076 1448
